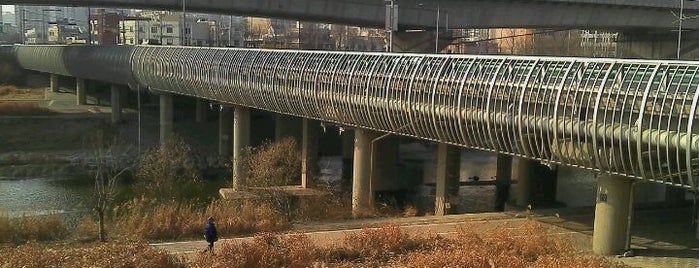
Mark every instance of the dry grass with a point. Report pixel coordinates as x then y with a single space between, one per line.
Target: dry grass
95 255
23 108
32 228
144 218
266 250
527 246
11 92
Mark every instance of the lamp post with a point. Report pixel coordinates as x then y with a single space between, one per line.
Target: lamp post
436 39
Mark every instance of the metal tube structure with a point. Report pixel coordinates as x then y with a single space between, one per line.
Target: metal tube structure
634 118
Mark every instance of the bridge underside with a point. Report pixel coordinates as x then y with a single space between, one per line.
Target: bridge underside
553 14
627 117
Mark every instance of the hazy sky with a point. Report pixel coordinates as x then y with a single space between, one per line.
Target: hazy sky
10 8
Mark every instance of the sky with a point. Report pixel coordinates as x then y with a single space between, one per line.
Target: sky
8 8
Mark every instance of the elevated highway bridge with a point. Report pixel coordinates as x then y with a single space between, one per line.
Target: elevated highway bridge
421 14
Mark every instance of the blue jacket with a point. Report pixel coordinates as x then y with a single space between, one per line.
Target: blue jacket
210 232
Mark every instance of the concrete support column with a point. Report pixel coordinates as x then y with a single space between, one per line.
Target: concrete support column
53 82
116 104
362 195
309 152
503 180
200 112
347 138
612 214
241 140
523 191
448 171
225 131
166 113
80 91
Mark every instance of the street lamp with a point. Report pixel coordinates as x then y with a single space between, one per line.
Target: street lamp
436 39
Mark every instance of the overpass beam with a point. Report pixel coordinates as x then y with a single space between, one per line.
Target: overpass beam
166 117
241 140
613 212
115 100
448 175
362 195
200 113
53 82
503 180
309 152
225 131
80 91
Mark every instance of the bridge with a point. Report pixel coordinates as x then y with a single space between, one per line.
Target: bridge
626 119
551 14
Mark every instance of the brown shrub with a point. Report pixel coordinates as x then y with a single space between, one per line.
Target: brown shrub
379 244
96 255
265 250
23 108
274 164
166 172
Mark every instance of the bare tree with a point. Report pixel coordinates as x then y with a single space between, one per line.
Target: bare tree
108 162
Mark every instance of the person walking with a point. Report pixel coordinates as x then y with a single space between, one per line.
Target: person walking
210 234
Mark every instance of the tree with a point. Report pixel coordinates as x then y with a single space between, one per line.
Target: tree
110 160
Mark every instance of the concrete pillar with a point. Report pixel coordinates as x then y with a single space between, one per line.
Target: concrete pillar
524 184
116 104
241 140
612 214
200 113
225 129
80 91
503 180
309 152
53 82
166 113
287 126
347 138
448 171
362 195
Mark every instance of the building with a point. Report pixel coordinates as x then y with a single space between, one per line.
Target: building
104 27
38 18
64 33
136 31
